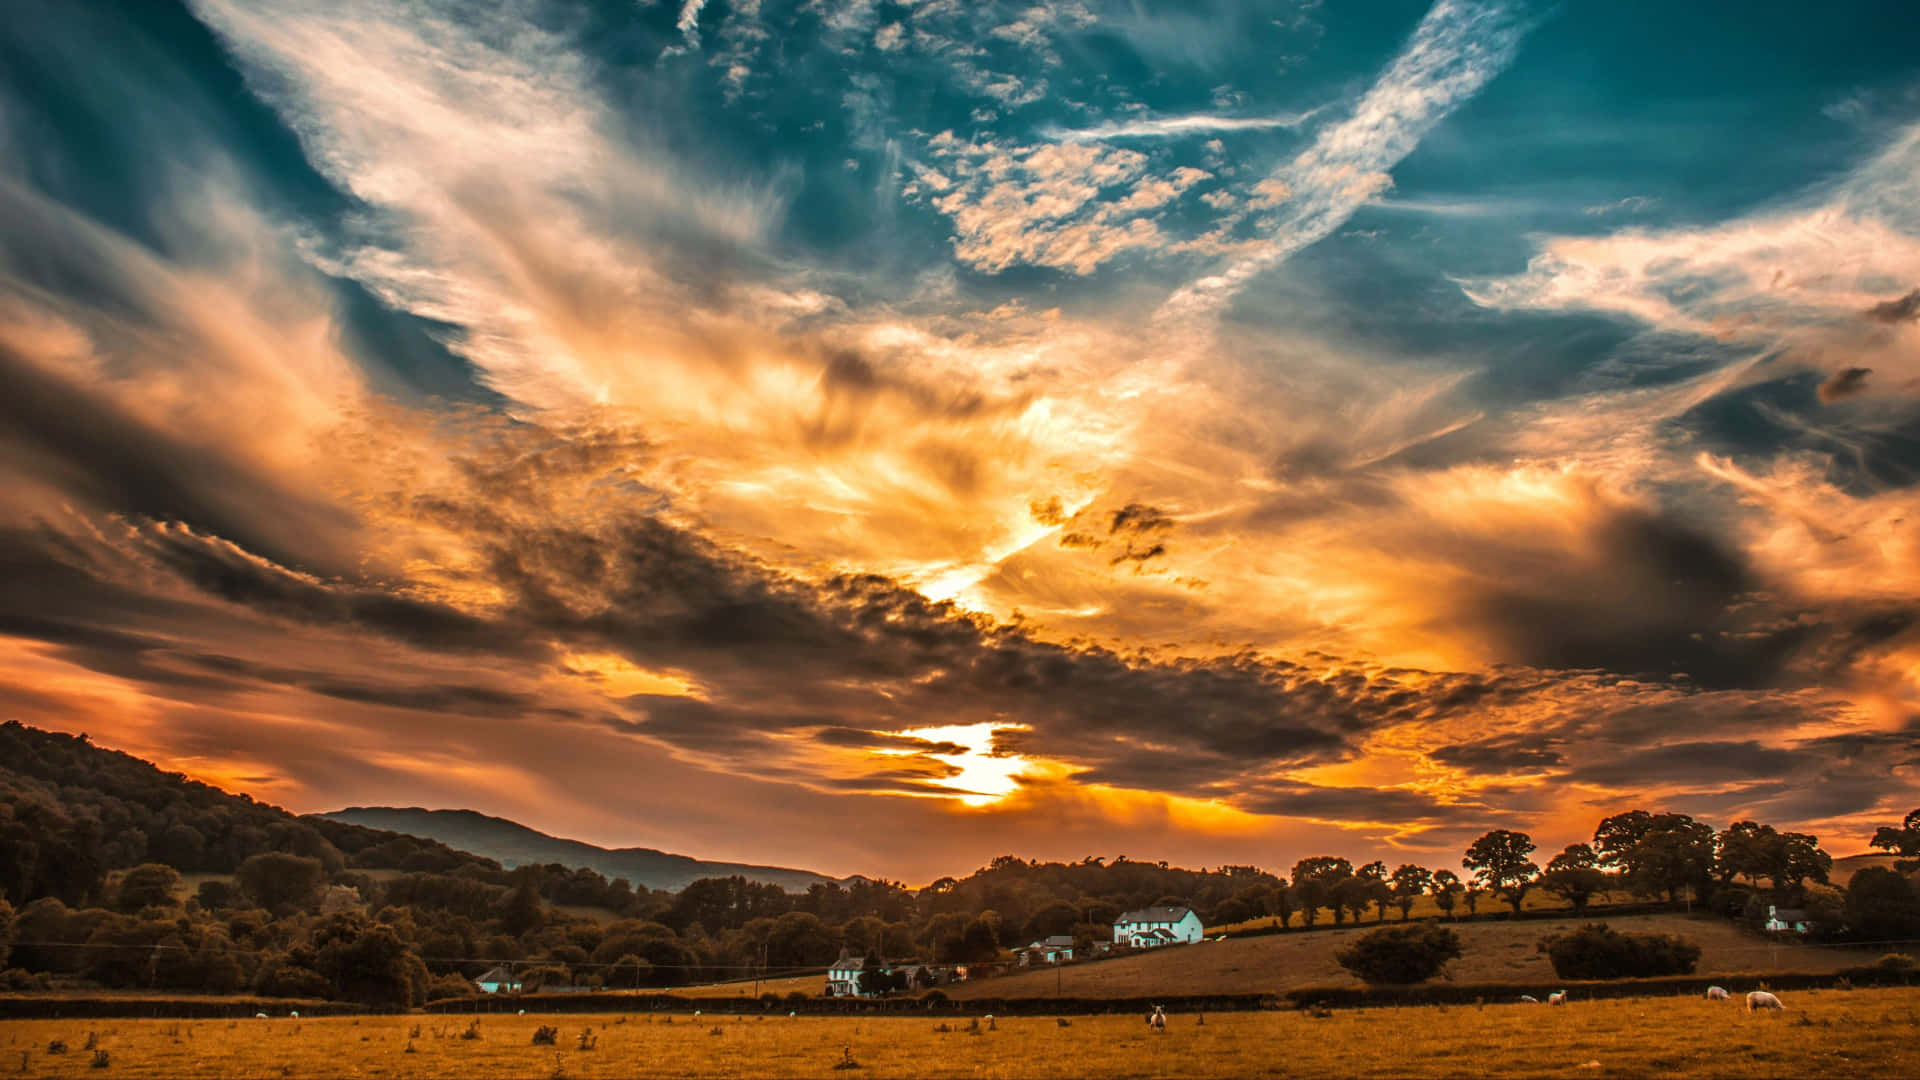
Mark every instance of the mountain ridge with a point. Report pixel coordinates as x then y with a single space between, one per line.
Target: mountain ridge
513 844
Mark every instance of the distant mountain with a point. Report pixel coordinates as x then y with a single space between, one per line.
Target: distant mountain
513 844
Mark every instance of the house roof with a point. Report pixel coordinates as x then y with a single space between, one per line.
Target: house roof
1790 914
498 974
1155 914
856 963
1057 941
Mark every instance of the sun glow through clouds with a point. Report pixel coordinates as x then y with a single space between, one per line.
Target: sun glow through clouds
984 777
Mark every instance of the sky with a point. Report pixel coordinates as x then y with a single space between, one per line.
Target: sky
879 435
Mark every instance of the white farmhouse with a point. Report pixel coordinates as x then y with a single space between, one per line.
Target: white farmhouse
1155 926
1782 920
843 978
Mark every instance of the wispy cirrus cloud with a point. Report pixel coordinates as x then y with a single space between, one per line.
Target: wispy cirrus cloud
1176 127
1459 46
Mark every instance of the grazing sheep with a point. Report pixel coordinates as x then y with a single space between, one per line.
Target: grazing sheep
1716 993
1157 1020
259 1016
1760 999
1529 999
294 1013
1558 997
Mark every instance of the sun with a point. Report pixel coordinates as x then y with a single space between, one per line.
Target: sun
984 777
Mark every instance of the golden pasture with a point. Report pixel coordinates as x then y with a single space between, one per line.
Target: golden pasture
1490 952
1858 1033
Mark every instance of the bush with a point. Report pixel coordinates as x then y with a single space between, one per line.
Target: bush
1596 952
1400 954
451 986
933 998
20 979
291 981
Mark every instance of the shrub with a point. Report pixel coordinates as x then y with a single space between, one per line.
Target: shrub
933 998
18 979
545 1036
1897 965
1596 952
451 986
289 980
1400 954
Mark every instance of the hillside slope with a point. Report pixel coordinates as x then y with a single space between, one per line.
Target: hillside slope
514 844
1491 952
72 812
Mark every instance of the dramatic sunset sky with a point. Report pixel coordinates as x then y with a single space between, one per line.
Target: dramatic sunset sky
878 435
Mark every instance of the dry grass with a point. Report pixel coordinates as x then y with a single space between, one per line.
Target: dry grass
811 985
1491 952
1865 1033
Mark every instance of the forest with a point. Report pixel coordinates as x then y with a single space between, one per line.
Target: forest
116 874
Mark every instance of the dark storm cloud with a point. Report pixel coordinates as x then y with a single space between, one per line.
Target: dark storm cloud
1656 597
857 739
773 654
1701 762
1904 309
1845 383
1356 804
223 570
99 454
1509 754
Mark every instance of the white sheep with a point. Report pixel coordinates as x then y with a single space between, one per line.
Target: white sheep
295 1013
1717 993
1529 999
1558 997
259 1016
1760 999
1157 1020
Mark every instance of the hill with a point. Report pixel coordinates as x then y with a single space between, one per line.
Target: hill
72 812
1492 951
1846 866
513 844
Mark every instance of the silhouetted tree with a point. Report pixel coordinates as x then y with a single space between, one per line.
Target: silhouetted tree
1574 876
1499 862
1410 882
1881 905
1314 881
1903 841
1446 890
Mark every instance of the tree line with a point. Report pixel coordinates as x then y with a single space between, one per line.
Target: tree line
307 907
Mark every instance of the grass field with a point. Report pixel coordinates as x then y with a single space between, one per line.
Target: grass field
1491 952
1862 1033
810 985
